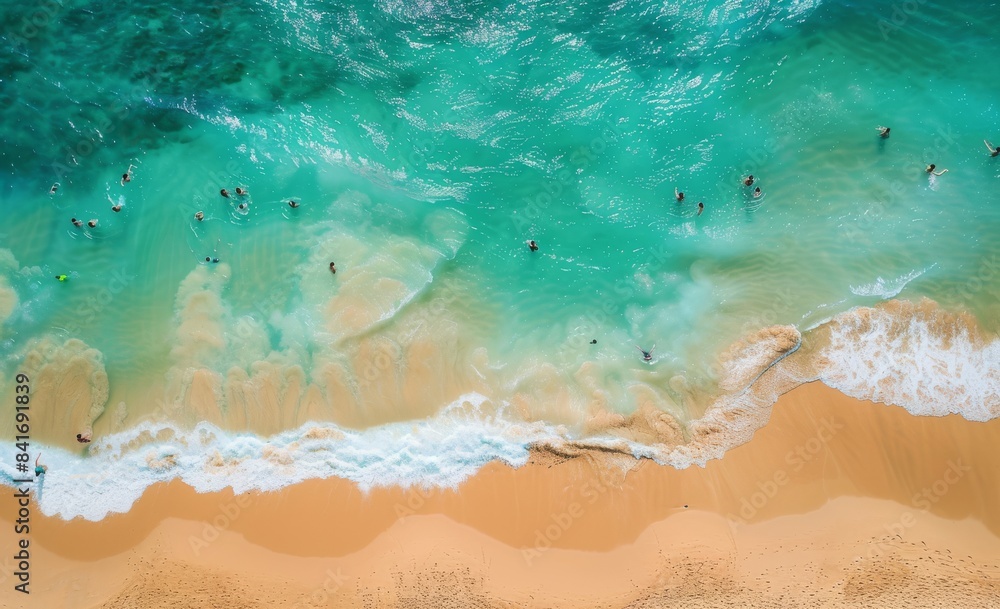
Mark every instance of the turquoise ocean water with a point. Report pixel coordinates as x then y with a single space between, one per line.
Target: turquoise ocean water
426 143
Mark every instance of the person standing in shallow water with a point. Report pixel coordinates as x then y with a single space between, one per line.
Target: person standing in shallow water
333 268
532 245
678 195
701 207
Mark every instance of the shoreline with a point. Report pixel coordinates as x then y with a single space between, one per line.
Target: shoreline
823 462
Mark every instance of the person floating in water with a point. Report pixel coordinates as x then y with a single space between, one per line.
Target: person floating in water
994 150
54 188
646 355
62 277
242 206
883 131
930 169
76 223
117 207
83 438
212 260
241 191
701 207
333 268
593 341
92 223
127 176
199 216
293 204
532 245
757 192
40 469
748 181
224 193
678 195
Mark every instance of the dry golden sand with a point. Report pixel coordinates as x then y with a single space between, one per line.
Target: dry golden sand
834 514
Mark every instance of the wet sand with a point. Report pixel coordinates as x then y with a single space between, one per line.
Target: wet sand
835 502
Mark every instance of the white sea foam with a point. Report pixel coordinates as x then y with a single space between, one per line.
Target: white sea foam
909 361
886 288
442 451
914 355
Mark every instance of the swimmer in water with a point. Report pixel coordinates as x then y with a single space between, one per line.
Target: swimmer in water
678 195
92 223
241 191
532 245
40 469
242 205
757 192
76 223
199 216
930 169
333 268
54 188
224 193
883 131
646 355
701 207
748 181
994 150
127 176
593 341
84 437
116 207
293 204
62 277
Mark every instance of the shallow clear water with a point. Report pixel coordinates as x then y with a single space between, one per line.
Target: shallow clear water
426 143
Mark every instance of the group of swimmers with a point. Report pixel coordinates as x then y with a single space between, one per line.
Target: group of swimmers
239 191
117 207
932 168
747 181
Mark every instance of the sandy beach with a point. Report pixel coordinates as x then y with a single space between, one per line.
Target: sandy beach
835 502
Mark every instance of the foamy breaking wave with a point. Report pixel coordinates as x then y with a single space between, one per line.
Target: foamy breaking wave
915 356
441 451
886 288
